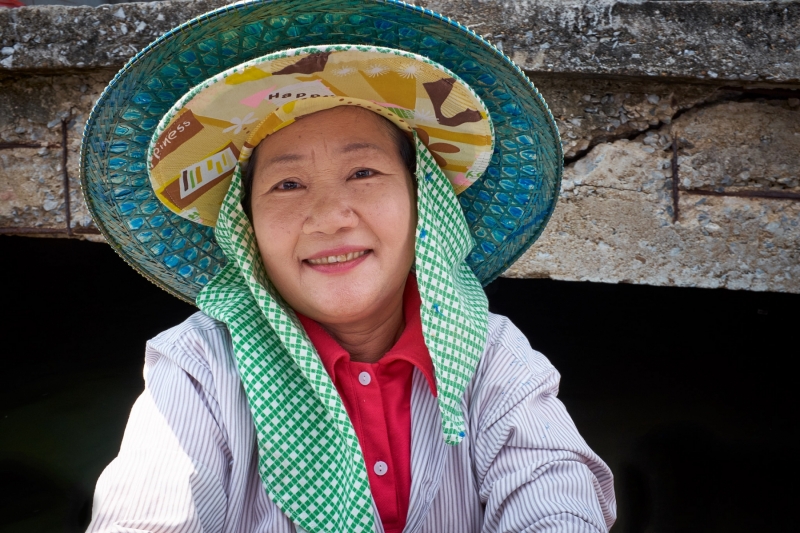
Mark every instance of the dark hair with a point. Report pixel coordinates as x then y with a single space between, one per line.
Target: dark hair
403 141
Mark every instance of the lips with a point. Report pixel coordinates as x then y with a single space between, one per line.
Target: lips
337 258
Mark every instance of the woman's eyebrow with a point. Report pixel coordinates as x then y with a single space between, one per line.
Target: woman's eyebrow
354 147
285 158
348 148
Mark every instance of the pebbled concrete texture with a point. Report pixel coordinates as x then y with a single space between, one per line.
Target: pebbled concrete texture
590 111
82 37
614 220
732 105
745 41
702 40
741 144
613 224
31 172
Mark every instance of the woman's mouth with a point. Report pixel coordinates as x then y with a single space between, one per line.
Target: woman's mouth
332 259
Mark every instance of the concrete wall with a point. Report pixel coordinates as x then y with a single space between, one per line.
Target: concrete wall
680 123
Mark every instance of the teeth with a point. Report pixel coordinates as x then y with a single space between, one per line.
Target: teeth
337 258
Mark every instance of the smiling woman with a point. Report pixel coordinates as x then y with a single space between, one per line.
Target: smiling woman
329 186
344 373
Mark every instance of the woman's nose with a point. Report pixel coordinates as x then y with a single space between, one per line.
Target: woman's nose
330 211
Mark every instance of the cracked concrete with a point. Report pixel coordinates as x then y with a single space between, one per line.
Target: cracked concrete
724 40
590 111
741 144
743 41
722 77
31 174
614 220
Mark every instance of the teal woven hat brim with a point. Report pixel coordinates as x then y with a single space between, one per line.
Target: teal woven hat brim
506 209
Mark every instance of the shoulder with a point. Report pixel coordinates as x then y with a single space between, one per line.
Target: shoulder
509 371
196 326
507 345
198 345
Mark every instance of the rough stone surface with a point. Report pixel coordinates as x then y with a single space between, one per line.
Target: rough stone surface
744 41
31 174
82 37
753 145
733 106
614 220
590 111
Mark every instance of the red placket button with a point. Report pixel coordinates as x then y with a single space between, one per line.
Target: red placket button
380 468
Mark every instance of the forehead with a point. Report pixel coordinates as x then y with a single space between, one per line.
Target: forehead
337 127
342 135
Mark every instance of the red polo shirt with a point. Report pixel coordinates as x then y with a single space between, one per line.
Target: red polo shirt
377 397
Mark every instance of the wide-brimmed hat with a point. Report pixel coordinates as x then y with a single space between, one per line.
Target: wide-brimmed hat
199 142
159 121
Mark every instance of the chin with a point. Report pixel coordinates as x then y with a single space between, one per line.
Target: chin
343 305
347 299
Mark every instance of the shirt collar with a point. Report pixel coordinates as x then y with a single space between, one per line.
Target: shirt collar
410 347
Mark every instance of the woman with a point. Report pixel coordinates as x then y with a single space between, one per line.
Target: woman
344 373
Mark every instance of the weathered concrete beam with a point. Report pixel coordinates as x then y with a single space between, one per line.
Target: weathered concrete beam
723 210
49 38
743 41
720 210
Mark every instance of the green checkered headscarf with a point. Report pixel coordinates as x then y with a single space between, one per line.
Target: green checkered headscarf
309 457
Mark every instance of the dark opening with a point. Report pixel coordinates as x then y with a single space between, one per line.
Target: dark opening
686 393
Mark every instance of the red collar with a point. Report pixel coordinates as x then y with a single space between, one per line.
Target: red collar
410 347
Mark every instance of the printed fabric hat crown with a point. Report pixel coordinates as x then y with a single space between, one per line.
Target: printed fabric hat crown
506 208
198 142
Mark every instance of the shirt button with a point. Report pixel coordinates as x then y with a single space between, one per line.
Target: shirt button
381 468
364 378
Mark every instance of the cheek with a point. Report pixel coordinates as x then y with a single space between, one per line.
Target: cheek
393 215
276 236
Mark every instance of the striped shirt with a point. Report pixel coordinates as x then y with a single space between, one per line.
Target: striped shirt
189 461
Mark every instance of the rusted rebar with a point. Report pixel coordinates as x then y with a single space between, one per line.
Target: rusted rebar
65 177
67 230
675 191
29 230
751 193
19 144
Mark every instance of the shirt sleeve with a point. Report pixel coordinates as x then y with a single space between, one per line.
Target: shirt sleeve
535 472
170 474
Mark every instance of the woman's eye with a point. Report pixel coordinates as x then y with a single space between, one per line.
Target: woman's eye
287 186
363 173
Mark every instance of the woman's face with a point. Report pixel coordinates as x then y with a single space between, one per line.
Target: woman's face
333 207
